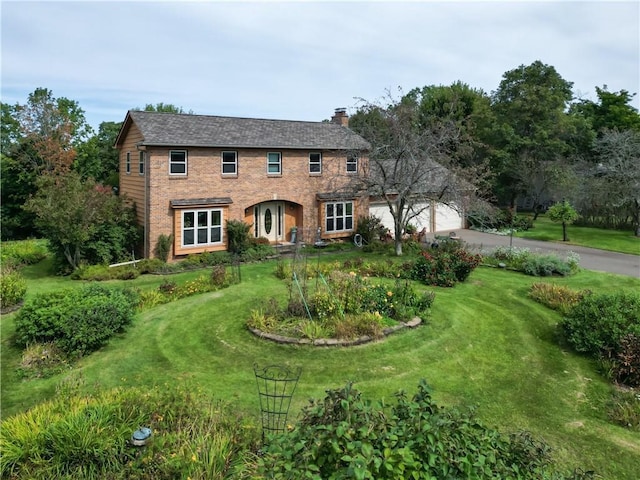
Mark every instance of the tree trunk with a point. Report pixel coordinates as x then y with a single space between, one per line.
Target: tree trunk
564 232
536 212
398 236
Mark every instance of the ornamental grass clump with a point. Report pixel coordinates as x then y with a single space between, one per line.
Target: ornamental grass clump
556 297
78 436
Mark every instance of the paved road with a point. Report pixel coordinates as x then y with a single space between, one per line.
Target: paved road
590 258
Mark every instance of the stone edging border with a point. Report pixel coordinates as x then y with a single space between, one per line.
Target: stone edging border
333 342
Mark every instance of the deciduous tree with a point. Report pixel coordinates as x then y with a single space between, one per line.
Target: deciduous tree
82 220
563 212
532 125
98 158
410 166
39 138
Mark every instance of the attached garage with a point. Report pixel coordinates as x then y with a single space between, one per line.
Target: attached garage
437 217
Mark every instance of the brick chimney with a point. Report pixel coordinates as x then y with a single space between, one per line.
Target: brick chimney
340 117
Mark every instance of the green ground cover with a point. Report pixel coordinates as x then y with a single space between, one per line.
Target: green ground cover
485 345
622 241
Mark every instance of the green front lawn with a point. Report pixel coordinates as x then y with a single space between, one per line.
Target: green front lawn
622 241
485 344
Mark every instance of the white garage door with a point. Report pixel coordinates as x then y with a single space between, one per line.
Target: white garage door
447 218
440 218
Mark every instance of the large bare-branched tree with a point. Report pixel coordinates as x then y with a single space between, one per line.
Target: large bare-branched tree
411 165
610 190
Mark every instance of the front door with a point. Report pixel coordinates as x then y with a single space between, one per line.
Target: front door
270 221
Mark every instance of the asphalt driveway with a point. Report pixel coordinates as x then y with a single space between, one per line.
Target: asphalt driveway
590 258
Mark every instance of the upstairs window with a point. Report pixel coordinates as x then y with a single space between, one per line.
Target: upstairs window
338 216
352 164
229 163
141 163
178 162
274 163
127 164
315 163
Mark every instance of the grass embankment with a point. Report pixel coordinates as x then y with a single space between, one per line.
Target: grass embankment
623 241
485 344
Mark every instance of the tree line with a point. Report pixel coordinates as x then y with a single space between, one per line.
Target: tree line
456 144
529 139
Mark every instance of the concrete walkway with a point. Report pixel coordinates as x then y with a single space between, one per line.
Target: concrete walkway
590 258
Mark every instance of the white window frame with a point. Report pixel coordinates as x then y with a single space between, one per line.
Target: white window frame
335 214
127 164
352 160
278 163
315 163
172 162
227 163
202 224
141 163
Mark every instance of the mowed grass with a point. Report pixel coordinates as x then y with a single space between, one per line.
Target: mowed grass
623 241
485 345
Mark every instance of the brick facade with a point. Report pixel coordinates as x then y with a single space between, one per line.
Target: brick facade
295 190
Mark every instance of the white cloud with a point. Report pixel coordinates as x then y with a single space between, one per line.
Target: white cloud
299 60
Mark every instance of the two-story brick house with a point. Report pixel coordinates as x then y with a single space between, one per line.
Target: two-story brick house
189 174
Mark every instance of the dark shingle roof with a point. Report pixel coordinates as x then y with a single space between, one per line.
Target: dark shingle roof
184 130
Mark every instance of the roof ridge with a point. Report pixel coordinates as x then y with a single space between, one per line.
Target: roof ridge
230 117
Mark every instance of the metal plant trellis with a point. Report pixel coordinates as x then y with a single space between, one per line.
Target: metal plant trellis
276 384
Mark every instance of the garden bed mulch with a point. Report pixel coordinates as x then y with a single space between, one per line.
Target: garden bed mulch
334 342
12 308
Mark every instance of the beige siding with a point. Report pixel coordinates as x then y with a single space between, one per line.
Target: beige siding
132 184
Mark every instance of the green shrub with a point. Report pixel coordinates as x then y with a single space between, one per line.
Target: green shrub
444 266
284 270
151 298
13 288
23 252
99 273
599 321
606 326
163 247
325 305
257 253
78 320
74 436
370 228
347 436
237 236
151 265
512 257
546 266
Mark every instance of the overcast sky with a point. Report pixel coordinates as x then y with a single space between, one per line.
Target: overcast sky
300 60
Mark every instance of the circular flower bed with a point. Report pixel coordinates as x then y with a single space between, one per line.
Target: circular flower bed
339 308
